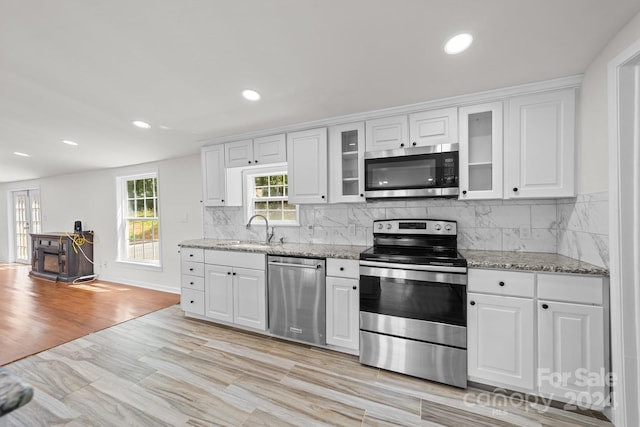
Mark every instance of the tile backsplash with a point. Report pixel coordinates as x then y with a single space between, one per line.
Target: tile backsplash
507 225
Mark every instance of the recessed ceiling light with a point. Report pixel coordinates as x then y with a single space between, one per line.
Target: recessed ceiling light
141 124
66 141
17 153
459 43
251 95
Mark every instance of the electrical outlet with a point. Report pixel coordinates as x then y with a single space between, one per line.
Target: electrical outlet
525 232
310 228
352 230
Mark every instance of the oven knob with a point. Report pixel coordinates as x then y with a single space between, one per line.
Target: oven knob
438 227
388 226
447 227
379 226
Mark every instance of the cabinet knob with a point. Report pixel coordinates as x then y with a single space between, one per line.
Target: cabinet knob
545 306
515 189
255 161
222 201
191 269
228 273
249 161
501 283
191 302
355 287
361 195
402 144
341 268
323 197
191 255
414 144
464 191
191 283
234 273
472 303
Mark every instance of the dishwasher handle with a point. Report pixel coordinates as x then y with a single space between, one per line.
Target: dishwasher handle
286 264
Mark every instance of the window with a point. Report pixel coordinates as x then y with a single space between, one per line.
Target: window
139 238
267 194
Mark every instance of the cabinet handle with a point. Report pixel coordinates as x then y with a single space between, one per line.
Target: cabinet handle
402 145
234 273
341 268
222 201
501 283
192 301
228 273
323 197
464 191
414 144
361 195
515 189
191 283
191 269
255 161
191 255
249 161
472 303
545 306
355 287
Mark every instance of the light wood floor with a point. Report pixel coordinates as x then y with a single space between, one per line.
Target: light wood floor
37 314
163 369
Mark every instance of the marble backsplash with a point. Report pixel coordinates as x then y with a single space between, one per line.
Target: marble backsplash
517 225
583 228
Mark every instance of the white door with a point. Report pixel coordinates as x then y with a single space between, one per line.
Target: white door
434 127
343 307
27 219
500 341
218 289
270 149
249 300
570 351
307 166
387 133
213 175
346 163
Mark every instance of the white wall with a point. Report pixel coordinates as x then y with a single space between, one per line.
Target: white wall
593 116
91 198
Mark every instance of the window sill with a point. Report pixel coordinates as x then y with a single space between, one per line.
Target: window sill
140 265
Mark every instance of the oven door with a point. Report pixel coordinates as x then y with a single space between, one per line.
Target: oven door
420 305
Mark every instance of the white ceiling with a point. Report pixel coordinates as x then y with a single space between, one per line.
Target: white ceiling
83 70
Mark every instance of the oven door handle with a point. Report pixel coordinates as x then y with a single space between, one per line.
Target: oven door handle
414 275
434 268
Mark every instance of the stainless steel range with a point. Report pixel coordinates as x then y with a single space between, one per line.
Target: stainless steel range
413 293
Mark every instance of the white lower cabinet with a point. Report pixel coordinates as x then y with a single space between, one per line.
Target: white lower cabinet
192 280
570 360
343 303
501 340
235 294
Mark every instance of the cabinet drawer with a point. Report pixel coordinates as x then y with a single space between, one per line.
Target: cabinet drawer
501 282
343 268
192 301
193 268
571 288
192 254
192 282
236 259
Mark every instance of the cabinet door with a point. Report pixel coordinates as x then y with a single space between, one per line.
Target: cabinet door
434 127
270 149
346 174
540 153
343 306
213 175
307 166
388 133
218 289
481 151
249 300
239 153
500 341
570 350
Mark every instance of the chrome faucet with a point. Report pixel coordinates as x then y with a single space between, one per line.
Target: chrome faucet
266 221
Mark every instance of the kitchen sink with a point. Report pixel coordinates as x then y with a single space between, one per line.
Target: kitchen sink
248 245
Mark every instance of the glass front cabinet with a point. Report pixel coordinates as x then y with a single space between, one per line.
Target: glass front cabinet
346 154
481 151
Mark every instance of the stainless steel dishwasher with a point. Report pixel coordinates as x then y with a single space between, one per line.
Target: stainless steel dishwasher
297 298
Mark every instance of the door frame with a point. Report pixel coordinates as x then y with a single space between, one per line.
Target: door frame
11 223
624 231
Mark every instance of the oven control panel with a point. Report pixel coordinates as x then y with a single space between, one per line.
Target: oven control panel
415 226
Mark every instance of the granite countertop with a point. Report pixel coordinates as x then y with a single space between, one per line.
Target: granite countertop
283 249
528 261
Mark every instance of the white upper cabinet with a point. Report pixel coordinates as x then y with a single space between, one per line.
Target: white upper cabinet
258 151
480 164
540 146
213 175
387 133
434 127
307 166
346 163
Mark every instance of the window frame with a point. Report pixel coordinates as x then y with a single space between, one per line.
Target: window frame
122 219
248 181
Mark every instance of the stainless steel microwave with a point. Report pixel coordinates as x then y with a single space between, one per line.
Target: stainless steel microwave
412 172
